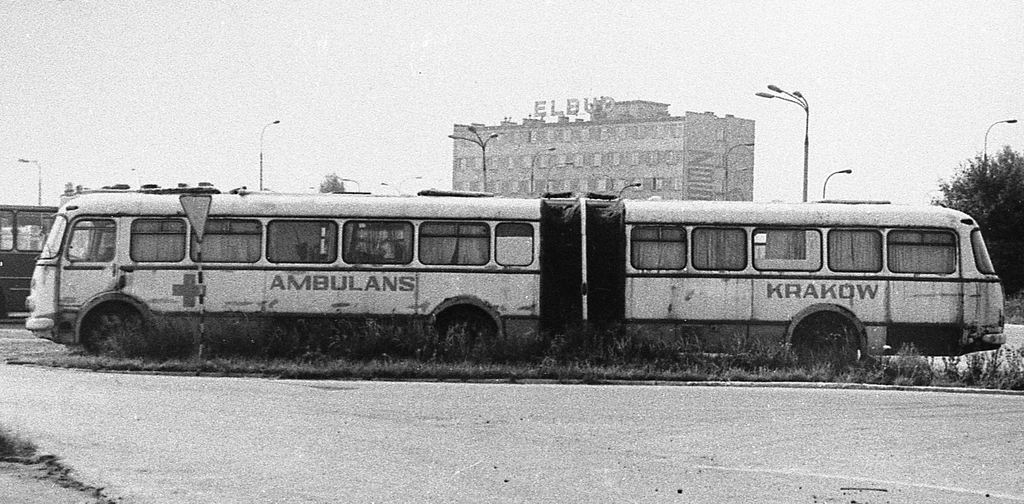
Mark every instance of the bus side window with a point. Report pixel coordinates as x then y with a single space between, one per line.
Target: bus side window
513 244
31 231
658 247
855 250
787 249
6 230
719 249
465 243
377 242
230 240
157 240
294 241
919 251
92 240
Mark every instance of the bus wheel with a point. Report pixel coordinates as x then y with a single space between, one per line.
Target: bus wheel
827 336
466 327
111 329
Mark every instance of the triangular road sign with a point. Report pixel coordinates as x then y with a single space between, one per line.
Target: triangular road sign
197 207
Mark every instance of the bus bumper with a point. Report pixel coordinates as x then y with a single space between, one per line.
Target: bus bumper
41 327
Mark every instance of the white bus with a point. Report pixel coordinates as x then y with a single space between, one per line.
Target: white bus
865 278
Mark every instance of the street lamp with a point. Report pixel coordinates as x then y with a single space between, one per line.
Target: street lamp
985 152
533 164
482 142
825 185
797 98
264 130
39 172
725 163
634 185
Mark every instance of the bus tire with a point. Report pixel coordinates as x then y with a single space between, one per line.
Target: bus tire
107 328
470 322
828 334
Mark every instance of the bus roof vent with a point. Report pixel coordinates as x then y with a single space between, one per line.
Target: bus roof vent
461 194
855 202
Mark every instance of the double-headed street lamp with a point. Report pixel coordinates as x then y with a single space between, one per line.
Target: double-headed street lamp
797 98
264 130
39 177
482 142
725 164
533 165
825 185
984 158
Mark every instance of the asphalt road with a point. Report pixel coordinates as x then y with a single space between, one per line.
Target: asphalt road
172 439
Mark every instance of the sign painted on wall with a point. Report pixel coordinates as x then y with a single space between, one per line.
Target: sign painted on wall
592 106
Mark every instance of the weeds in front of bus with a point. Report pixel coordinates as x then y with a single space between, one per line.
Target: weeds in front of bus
14 446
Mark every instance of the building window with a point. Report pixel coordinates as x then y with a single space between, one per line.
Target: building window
461 243
157 240
658 247
230 240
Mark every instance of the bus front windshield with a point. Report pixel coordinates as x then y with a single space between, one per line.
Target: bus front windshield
51 249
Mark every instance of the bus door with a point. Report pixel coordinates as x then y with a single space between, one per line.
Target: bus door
576 286
87 266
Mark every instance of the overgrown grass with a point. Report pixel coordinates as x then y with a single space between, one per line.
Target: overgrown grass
1014 307
395 351
14 446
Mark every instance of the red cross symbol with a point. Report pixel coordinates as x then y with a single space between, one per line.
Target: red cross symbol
188 289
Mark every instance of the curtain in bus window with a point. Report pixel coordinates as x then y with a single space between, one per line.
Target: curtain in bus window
230 240
513 244
454 243
719 249
302 241
377 242
6 230
921 252
854 250
786 244
656 247
158 240
92 240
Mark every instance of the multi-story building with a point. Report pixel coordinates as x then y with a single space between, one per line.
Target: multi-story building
696 156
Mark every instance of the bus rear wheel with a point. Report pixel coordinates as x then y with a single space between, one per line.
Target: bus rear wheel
111 330
827 336
464 328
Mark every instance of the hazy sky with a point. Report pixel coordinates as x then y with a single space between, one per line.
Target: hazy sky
166 92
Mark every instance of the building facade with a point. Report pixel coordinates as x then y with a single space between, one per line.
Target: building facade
635 148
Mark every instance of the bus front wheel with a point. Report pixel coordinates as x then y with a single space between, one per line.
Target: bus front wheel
827 335
111 329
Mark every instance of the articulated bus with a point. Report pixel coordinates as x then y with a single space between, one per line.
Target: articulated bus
23 230
706 275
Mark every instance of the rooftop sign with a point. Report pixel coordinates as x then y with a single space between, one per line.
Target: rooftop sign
596 107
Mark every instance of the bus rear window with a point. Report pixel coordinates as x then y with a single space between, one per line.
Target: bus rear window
466 243
912 251
230 240
981 257
658 247
158 240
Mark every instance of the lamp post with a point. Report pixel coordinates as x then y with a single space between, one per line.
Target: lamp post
725 164
825 185
797 98
264 130
634 185
984 158
39 177
533 164
481 141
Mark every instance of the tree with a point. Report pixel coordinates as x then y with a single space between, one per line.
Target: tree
993 195
332 183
